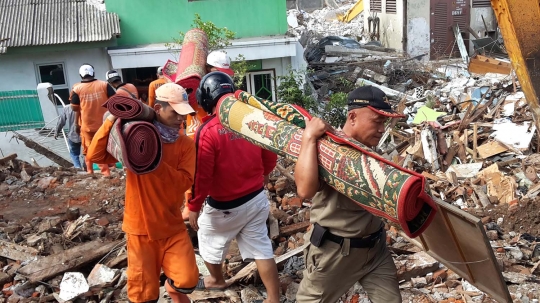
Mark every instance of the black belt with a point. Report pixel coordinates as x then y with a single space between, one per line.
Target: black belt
224 205
365 242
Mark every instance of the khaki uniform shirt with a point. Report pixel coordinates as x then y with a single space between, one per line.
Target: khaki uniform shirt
341 215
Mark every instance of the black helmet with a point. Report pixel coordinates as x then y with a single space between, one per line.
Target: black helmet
212 87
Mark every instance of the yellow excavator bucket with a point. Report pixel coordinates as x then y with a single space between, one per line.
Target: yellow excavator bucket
354 11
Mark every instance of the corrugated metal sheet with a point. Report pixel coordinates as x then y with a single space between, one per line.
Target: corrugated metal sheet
46 22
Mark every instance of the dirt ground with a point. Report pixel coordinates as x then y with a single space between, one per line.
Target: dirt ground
93 195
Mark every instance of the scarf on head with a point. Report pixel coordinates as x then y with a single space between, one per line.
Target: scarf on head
168 134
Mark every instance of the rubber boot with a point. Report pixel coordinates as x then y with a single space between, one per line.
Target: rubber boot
105 170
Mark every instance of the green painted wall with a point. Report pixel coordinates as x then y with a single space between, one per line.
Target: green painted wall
158 21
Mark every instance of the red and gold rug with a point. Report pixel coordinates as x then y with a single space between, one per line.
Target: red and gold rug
353 169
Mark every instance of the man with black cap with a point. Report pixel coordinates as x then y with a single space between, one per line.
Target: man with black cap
121 88
347 243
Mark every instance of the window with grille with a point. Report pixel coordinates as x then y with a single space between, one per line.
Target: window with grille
391 7
375 6
481 3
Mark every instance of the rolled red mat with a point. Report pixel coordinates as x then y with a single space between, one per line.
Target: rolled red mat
192 62
127 108
136 144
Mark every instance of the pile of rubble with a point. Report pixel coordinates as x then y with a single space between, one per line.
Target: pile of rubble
324 22
61 240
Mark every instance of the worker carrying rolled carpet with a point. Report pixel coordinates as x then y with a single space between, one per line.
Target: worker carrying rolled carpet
157 237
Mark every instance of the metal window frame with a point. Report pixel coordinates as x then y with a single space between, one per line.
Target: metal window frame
375 3
481 3
55 87
393 9
250 81
59 86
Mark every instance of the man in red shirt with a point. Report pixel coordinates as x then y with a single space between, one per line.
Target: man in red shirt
231 172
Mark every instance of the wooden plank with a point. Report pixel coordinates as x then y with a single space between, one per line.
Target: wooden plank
483 65
430 176
294 228
490 149
475 141
50 266
17 252
251 268
466 249
8 158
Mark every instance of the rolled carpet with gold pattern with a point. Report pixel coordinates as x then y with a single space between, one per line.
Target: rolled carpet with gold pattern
376 184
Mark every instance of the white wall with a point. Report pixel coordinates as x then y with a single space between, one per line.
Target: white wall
418 28
391 25
18 71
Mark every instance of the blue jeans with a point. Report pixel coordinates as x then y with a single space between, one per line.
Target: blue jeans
75 153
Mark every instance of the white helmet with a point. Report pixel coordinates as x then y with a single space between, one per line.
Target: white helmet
220 61
86 70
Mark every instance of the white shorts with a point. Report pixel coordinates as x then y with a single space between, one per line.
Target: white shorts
246 223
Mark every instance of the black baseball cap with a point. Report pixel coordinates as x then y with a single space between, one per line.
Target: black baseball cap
372 98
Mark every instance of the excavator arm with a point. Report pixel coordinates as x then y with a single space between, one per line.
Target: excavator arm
519 21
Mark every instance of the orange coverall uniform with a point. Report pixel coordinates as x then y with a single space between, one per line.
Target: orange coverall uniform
152 90
87 98
157 237
128 90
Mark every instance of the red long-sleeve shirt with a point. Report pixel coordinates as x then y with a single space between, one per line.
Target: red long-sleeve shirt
228 167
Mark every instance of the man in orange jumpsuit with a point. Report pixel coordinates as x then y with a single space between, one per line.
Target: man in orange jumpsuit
155 85
121 88
157 237
86 99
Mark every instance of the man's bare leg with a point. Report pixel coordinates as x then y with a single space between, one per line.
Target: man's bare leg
268 271
215 279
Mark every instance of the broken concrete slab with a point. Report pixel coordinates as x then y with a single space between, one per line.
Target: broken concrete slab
17 252
416 265
102 276
514 135
34 240
73 284
465 171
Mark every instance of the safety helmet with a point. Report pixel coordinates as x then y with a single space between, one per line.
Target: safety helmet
112 76
220 61
160 70
86 70
212 87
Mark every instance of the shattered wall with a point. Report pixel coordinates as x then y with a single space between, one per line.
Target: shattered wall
418 29
391 24
478 25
